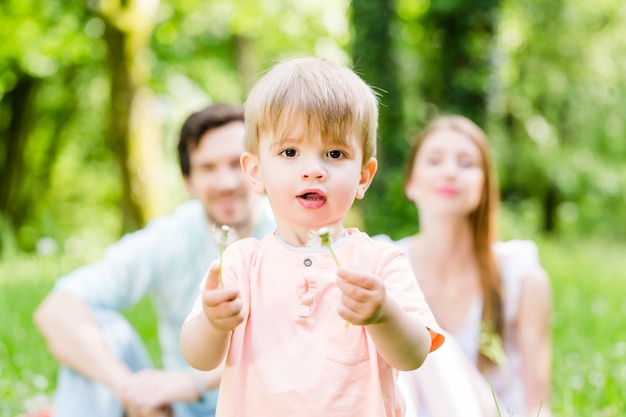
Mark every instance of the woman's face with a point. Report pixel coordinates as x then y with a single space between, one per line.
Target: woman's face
447 175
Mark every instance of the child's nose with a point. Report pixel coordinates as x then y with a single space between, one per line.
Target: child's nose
314 171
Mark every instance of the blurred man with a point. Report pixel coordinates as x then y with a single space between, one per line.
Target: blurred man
106 370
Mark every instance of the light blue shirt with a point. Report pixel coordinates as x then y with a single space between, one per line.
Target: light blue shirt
165 261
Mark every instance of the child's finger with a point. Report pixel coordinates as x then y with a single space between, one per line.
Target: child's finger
213 276
359 278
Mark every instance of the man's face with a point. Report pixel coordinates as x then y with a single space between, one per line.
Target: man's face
216 178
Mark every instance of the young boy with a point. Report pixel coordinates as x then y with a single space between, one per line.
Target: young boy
301 335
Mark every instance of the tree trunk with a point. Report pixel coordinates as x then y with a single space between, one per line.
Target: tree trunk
123 90
19 100
458 56
246 62
374 61
550 204
128 28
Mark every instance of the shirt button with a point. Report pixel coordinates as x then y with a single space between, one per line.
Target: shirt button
308 262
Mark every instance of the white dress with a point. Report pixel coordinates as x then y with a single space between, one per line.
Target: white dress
449 384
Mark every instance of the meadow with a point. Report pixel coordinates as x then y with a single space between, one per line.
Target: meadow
589 323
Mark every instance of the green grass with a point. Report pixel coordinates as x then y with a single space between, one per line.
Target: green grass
589 323
27 371
589 320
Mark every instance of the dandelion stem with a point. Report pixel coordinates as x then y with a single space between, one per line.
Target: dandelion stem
332 252
223 239
324 235
496 401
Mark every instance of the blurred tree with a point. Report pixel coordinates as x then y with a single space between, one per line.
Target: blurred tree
128 27
457 52
557 113
384 211
17 105
41 50
454 44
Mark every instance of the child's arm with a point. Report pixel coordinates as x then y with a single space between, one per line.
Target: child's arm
205 334
400 338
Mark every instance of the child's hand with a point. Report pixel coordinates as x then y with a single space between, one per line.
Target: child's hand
363 296
222 306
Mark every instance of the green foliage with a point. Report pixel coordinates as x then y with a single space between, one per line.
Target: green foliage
390 212
448 45
555 114
546 78
47 45
374 60
552 99
219 48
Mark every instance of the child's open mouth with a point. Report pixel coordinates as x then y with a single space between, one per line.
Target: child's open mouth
312 200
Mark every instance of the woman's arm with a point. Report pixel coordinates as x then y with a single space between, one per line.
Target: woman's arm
533 337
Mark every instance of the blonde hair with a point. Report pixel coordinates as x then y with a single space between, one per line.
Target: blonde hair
483 219
328 98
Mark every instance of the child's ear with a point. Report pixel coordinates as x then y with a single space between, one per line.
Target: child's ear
367 175
250 166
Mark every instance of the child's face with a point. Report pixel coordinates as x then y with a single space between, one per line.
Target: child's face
310 182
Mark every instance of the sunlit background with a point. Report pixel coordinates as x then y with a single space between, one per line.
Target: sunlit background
93 94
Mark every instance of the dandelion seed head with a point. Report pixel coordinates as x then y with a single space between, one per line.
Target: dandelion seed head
319 238
323 231
324 234
224 235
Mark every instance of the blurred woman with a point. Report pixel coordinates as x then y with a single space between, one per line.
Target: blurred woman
492 297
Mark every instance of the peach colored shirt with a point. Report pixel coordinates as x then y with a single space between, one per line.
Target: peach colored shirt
293 355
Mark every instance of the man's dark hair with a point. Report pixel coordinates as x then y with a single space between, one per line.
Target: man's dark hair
198 123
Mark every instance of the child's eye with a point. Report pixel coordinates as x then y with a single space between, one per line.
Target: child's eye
289 153
335 154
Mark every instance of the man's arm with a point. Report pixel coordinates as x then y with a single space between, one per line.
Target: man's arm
75 340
